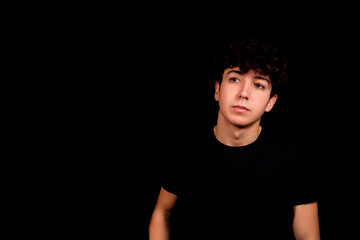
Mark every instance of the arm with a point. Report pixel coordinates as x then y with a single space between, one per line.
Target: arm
306 222
159 228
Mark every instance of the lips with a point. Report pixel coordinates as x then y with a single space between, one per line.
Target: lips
239 108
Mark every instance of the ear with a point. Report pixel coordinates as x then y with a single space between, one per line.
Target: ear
271 103
217 90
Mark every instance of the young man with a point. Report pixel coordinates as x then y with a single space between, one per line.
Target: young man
241 182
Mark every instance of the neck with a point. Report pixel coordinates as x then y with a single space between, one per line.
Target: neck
235 136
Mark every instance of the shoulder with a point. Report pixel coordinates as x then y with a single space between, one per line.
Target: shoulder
196 139
285 148
282 142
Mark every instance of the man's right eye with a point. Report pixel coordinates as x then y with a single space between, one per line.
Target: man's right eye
234 80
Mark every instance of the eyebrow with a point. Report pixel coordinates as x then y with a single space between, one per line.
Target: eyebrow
257 77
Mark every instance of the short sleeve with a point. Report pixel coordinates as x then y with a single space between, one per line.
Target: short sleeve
305 178
172 173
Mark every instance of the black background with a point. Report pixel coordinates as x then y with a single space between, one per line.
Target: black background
142 84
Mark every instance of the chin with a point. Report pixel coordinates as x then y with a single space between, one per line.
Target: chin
241 124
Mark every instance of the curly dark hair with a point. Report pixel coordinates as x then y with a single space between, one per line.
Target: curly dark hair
255 54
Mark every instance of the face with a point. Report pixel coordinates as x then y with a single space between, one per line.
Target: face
243 97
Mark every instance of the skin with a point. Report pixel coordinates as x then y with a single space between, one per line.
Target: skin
159 228
243 98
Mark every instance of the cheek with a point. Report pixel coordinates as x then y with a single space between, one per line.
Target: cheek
222 101
225 96
263 102
227 92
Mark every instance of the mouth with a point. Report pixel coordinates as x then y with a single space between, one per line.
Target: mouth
239 108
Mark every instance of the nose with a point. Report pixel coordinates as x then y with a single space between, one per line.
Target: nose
244 91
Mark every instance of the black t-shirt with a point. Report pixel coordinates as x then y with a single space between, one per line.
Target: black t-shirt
243 192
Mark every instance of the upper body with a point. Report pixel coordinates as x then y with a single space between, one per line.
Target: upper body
240 182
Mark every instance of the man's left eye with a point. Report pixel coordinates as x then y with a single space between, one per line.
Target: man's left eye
258 85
